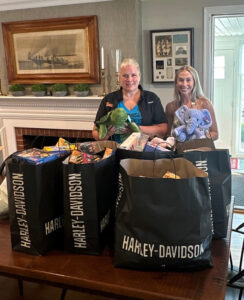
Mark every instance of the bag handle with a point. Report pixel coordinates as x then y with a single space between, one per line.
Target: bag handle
36 138
170 157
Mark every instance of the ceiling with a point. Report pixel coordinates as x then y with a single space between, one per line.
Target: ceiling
229 26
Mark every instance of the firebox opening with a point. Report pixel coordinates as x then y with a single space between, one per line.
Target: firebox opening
32 141
39 137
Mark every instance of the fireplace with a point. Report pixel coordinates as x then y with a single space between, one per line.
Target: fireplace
39 137
26 117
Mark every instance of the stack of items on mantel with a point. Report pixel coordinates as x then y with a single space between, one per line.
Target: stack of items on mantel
157 203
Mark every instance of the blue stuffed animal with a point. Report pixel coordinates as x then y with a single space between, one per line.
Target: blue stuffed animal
193 123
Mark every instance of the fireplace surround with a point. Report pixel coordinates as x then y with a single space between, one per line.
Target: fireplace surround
39 137
47 116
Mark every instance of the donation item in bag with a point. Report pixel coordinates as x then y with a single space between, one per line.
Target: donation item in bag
200 144
156 148
35 198
162 223
90 191
217 164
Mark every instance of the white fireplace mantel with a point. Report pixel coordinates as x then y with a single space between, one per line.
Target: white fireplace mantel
77 113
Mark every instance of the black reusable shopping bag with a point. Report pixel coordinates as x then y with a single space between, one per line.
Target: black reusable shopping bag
152 155
162 223
205 144
89 201
217 164
35 196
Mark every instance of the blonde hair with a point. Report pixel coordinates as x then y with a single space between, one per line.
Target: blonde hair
130 61
197 91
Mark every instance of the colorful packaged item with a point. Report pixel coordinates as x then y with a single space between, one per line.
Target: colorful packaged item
63 144
78 157
136 141
108 152
36 156
160 144
172 175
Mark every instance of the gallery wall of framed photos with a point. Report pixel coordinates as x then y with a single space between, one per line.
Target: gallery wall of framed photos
170 50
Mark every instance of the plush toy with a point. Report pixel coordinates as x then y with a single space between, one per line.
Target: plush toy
118 118
193 123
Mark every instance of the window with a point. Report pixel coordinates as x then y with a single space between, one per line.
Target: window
219 67
242 95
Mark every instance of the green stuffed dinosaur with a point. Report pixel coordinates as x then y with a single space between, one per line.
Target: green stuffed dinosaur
118 118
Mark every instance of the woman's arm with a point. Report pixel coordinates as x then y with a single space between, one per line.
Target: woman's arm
213 130
102 111
169 112
110 131
155 130
95 133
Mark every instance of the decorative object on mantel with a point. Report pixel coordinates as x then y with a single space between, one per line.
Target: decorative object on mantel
102 70
1 94
103 83
117 63
39 89
81 89
17 89
59 89
103 73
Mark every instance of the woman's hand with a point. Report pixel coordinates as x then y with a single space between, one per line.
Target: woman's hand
125 130
158 130
110 131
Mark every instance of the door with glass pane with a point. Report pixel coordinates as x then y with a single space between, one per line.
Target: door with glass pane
241 114
223 97
223 48
228 85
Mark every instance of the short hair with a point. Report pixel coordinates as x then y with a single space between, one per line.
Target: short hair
197 91
130 61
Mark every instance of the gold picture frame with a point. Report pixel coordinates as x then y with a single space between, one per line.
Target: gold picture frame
52 50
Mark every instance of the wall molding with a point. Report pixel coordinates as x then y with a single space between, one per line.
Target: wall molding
23 4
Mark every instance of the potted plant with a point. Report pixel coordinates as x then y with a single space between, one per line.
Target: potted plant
39 89
59 89
81 89
17 89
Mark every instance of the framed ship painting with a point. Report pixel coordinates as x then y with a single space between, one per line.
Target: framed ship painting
52 50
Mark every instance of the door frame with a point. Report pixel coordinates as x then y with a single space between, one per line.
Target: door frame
209 13
208 50
224 99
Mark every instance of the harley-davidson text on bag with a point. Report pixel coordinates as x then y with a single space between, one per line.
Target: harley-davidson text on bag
35 198
90 191
162 223
217 164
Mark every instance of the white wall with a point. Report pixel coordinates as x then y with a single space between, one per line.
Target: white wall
120 23
119 27
169 14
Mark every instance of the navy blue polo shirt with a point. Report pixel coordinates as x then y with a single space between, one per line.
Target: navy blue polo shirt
149 105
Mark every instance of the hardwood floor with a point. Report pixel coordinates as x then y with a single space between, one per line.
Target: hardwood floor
236 244
9 286
34 291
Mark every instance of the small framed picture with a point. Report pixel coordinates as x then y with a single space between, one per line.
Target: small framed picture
170 50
